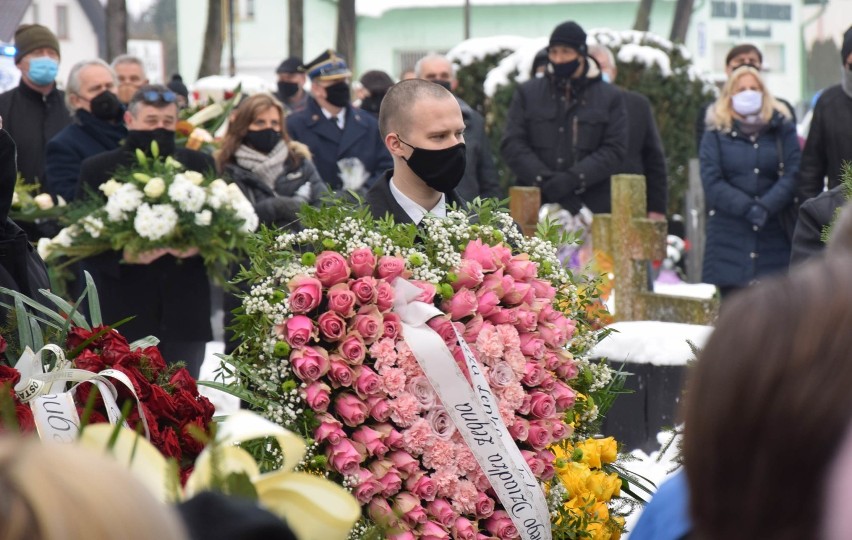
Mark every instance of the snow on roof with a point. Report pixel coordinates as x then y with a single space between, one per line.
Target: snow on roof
519 61
475 49
377 8
646 55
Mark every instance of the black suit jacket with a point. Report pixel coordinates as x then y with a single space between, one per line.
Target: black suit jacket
170 298
381 200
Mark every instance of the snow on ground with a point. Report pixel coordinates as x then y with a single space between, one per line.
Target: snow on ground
656 467
690 290
651 342
224 403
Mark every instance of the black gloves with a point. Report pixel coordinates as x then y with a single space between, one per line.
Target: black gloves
757 215
559 186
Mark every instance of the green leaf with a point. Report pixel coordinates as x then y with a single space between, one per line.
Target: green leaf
240 485
155 149
94 300
38 337
140 157
70 310
233 390
25 332
33 304
144 343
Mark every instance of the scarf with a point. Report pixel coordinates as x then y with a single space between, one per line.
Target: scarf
268 167
752 125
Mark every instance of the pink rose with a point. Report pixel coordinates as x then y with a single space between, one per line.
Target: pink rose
299 331
407 506
344 458
318 396
461 305
367 382
428 291
441 511
472 328
463 529
432 531
520 429
444 327
391 483
517 294
536 464
533 374
547 382
524 407
494 282
502 254
381 513
329 431
527 319
403 462
501 375
309 363
500 525
551 335
379 408
469 275
372 441
548 458
390 267
331 268
540 436
543 289
393 438
367 487
351 410
422 390
564 396
305 293
421 485
363 262
521 268
341 300
385 296
560 430
364 289
441 423
392 326
353 350
368 323
532 346
484 506
504 316
487 302
567 370
400 534
332 327
481 253
339 372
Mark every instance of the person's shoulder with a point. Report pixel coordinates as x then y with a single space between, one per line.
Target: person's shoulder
6 97
831 199
194 160
831 97
305 115
363 117
635 99
69 136
104 159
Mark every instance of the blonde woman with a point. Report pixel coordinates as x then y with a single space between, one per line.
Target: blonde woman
749 156
66 492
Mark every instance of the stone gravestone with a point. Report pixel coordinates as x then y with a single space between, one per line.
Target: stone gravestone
524 204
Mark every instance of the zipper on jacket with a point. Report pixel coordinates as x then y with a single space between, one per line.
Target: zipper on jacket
574 131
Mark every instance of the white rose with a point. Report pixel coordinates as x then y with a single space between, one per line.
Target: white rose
60 201
194 176
44 201
45 247
155 187
109 187
218 184
16 199
203 218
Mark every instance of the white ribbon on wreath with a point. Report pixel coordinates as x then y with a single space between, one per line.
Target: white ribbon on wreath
54 410
473 410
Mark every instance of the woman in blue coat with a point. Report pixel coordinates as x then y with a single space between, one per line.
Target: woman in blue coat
749 156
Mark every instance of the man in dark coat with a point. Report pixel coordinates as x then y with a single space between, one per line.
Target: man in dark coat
567 132
347 149
167 291
814 215
480 177
645 154
34 111
423 129
829 142
291 85
21 269
97 126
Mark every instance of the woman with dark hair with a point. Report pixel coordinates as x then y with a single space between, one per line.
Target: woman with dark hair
749 157
274 172
768 406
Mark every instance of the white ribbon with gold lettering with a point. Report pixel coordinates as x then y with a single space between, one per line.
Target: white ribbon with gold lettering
474 414
54 410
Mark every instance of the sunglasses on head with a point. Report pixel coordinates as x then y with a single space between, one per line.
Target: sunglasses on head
153 96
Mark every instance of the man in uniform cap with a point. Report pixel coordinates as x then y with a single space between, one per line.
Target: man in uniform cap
34 111
291 85
347 149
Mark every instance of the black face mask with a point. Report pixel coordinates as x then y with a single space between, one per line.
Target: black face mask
565 70
264 140
139 139
445 84
338 94
105 106
372 103
442 170
288 89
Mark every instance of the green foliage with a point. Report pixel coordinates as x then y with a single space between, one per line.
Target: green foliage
846 182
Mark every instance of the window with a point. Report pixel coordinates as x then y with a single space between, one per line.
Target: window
768 12
62 22
723 10
249 10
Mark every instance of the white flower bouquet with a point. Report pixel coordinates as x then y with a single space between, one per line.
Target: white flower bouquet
158 205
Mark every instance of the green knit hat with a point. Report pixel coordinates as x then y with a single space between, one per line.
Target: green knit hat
29 37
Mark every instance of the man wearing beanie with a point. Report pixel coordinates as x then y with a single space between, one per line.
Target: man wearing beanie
291 85
348 151
567 132
829 141
34 111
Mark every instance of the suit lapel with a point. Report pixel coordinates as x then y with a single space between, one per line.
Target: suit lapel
353 132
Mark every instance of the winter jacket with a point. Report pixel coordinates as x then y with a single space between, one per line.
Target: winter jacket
829 143
570 143
645 154
170 298
480 175
666 516
739 172
359 138
296 185
32 119
701 119
85 137
814 215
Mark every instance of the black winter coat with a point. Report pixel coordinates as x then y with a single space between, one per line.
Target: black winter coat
829 143
169 297
583 134
645 154
328 144
480 175
32 119
738 172
84 138
814 215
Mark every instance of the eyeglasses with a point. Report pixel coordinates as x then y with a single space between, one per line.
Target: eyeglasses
153 96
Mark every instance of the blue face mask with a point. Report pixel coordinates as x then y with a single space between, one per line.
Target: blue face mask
43 70
605 77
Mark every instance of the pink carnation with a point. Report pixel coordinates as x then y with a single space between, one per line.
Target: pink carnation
416 437
393 381
465 497
465 459
384 352
404 410
446 481
488 342
439 454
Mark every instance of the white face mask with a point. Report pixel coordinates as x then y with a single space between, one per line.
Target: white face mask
747 102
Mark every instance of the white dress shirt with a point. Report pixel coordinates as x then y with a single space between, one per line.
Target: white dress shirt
414 210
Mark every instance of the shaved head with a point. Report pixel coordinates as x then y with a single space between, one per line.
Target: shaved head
395 113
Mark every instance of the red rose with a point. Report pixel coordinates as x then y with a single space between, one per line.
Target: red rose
133 420
186 405
190 444
77 336
152 359
182 379
140 384
9 375
161 404
26 422
170 444
90 361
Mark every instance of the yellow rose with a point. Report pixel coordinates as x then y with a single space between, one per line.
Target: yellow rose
608 449
155 187
591 453
574 477
109 187
603 485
